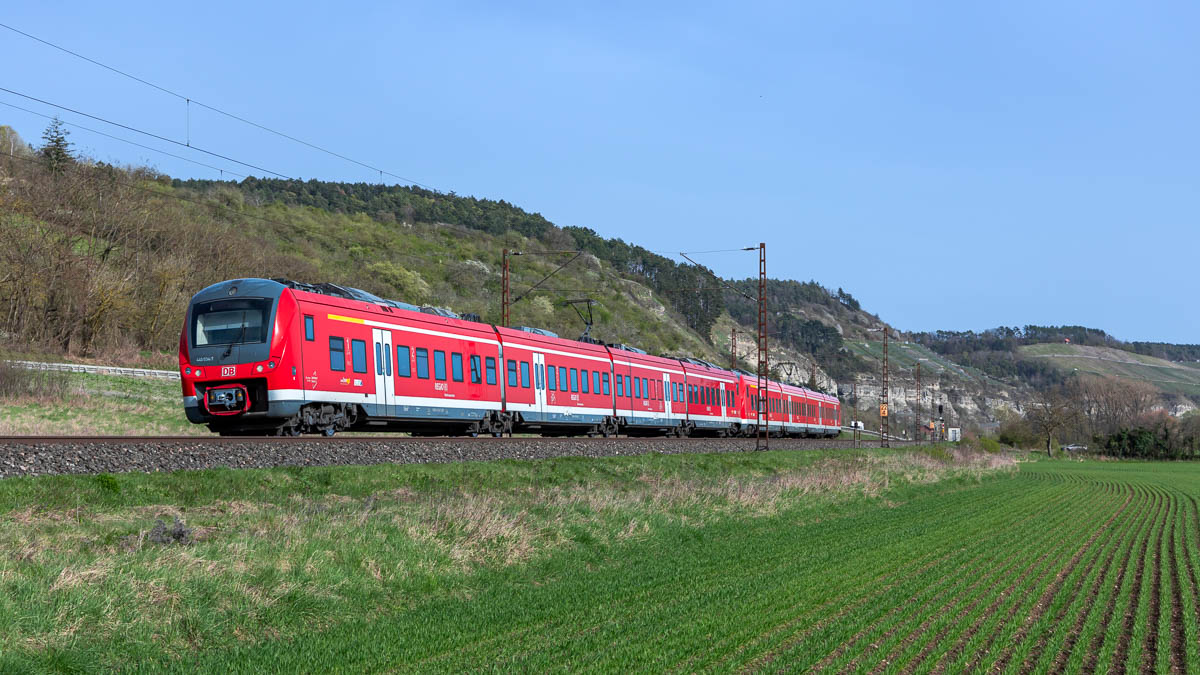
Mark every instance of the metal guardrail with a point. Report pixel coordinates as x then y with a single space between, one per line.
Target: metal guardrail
97 370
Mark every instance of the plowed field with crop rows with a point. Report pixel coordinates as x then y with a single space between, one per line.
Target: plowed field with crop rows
1060 567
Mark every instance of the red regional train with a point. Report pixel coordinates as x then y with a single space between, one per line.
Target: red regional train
280 357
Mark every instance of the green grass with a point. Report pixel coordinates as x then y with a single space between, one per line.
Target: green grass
800 561
102 404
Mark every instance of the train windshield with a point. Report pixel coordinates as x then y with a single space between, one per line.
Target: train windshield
225 322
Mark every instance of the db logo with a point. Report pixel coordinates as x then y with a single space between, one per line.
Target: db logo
228 371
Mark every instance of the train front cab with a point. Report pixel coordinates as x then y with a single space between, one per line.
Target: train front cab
234 352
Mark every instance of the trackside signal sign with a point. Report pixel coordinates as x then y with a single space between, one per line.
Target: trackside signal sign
883 410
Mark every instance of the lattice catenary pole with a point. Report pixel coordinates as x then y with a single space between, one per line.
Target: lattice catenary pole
763 441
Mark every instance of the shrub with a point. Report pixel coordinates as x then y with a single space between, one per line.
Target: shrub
990 444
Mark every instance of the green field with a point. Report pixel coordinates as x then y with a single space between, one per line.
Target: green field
934 561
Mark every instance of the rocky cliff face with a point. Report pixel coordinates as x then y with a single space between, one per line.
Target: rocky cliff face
962 406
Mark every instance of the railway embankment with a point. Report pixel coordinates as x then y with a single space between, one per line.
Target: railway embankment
35 456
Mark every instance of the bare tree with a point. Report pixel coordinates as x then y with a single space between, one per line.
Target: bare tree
1051 411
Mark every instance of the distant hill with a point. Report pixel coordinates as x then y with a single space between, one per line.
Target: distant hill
1168 376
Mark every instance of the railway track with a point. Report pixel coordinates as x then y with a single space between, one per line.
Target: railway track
784 443
42 455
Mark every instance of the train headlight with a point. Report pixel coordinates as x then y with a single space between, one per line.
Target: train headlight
270 364
197 372
187 371
258 368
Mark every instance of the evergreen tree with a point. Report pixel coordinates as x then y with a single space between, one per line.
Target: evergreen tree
57 149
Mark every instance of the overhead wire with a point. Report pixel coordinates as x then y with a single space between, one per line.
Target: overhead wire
191 101
126 140
262 127
146 133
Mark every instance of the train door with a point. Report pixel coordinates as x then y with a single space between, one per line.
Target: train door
667 395
385 385
539 383
722 403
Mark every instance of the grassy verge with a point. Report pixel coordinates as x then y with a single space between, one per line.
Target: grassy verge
83 404
261 561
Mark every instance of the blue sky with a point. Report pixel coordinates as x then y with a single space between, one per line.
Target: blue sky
952 165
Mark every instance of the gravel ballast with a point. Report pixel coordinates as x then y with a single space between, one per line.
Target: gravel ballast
89 456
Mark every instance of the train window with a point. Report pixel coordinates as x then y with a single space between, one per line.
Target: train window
512 373
604 379
388 360
337 354
563 385
456 367
476 376
620 385
541 376
637 387
575 380
679 393
439 364
596 381
552 377
310 332
583 382
402 366
491 370
646 389
358 355
525 374
423 363
378 358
